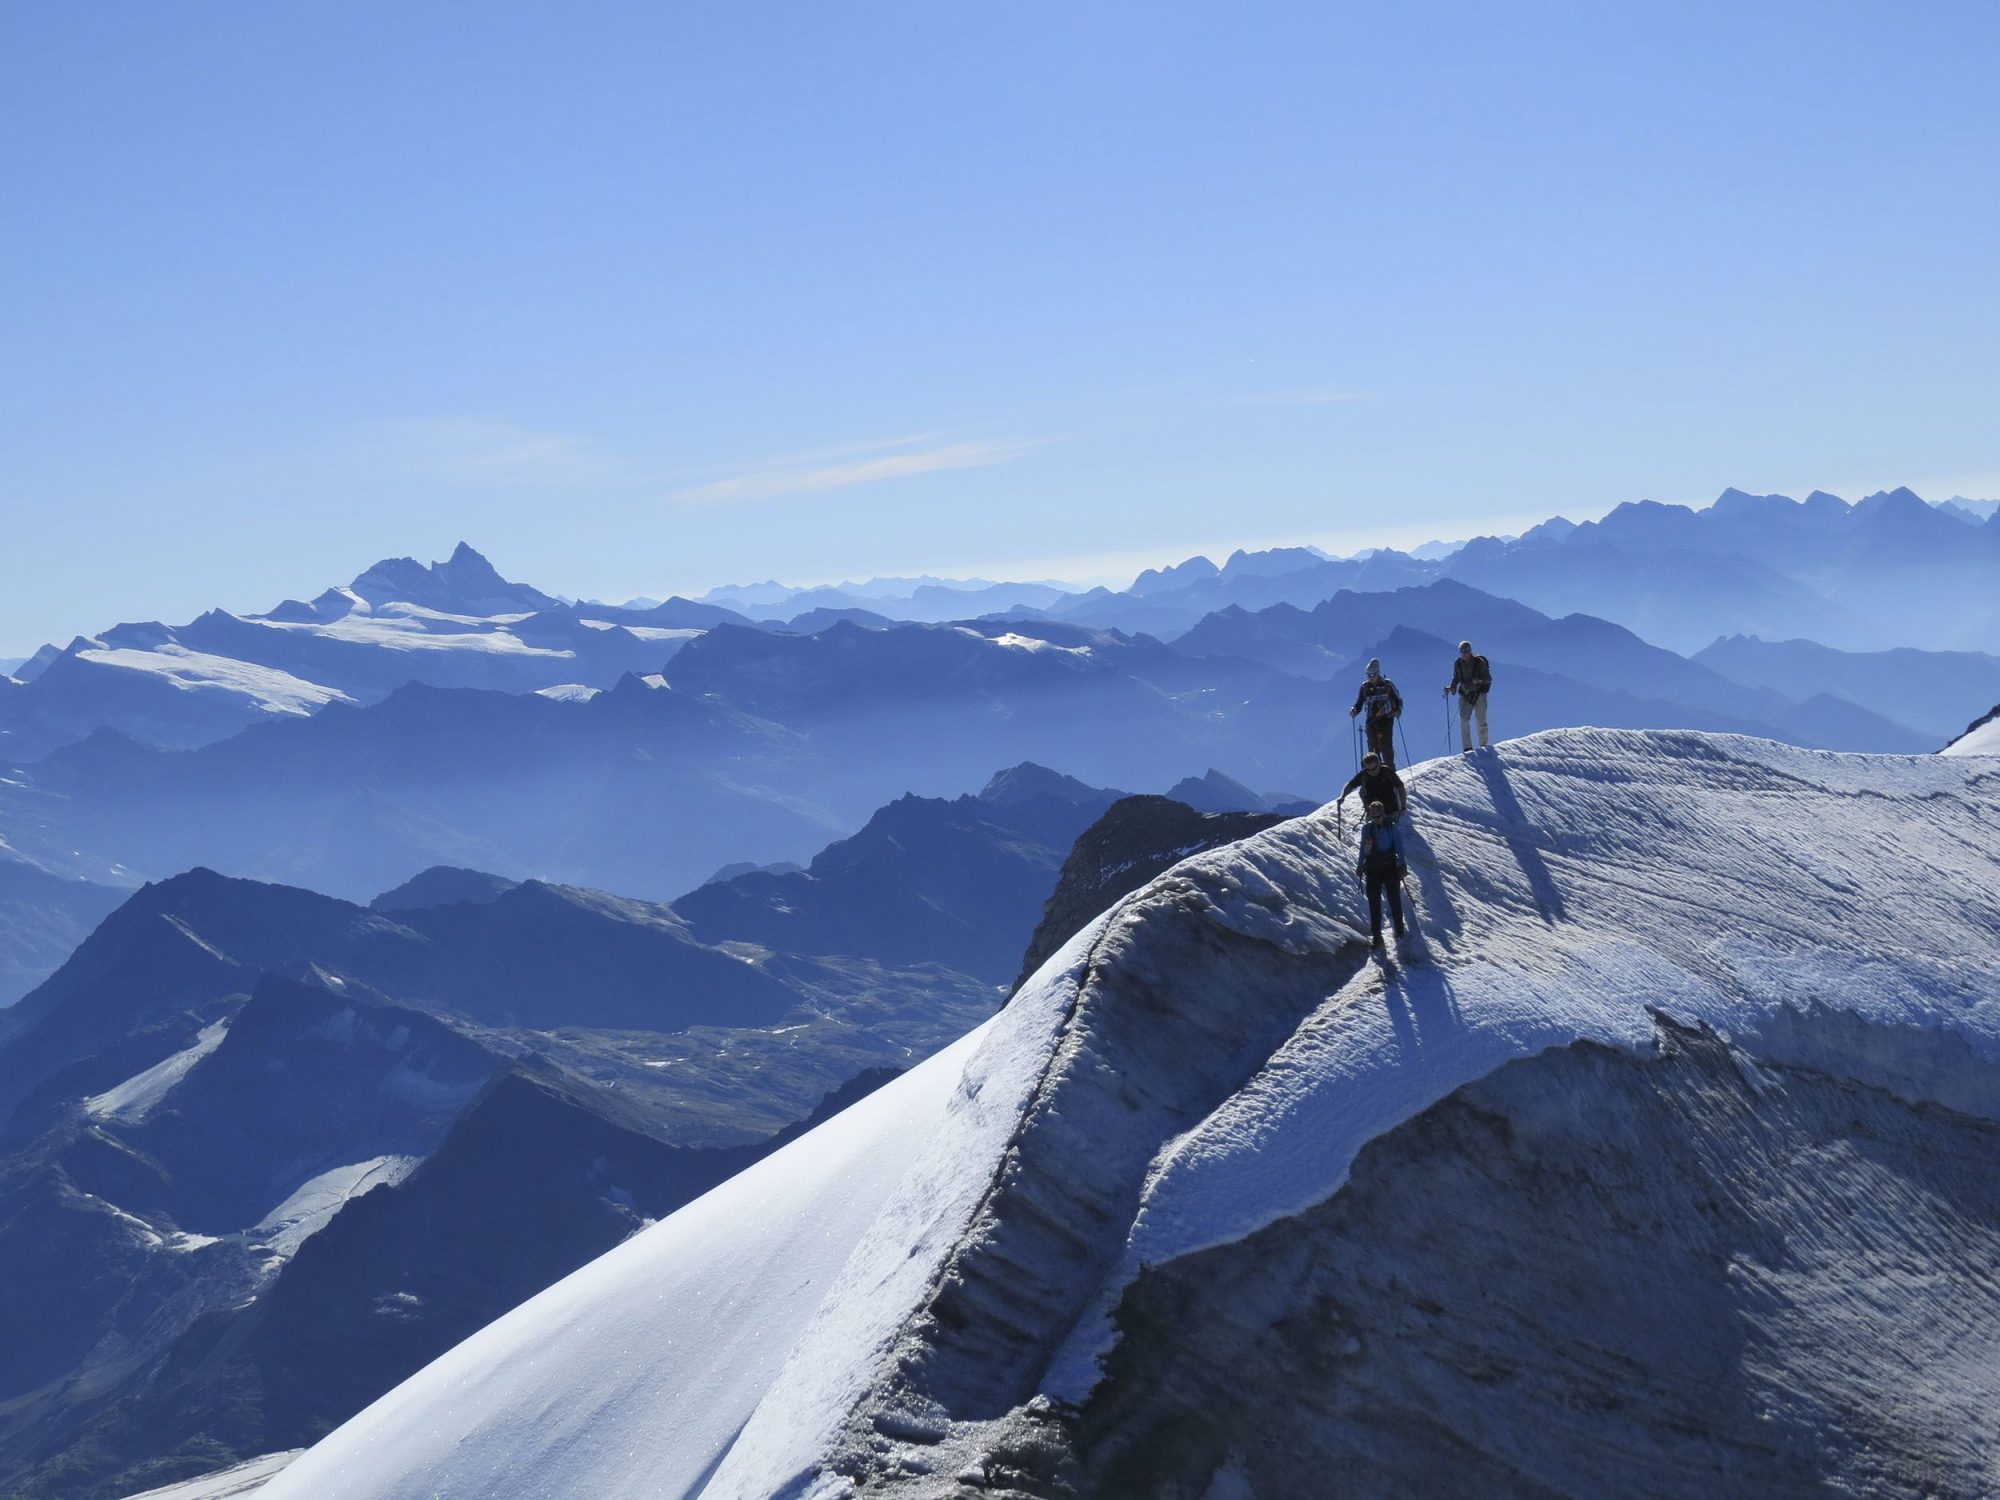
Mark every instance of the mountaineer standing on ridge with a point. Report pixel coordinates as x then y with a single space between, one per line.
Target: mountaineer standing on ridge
1471 680
1385 705
1378 783
1381 868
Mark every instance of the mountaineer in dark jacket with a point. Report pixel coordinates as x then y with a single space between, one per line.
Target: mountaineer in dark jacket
1378 783
1380 868
1471 681
1384 706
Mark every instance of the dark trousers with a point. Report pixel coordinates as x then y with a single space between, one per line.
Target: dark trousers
1382 738
1378 882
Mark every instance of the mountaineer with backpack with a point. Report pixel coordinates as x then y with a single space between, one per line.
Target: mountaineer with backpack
1471 681
1378 783
1385 705
1380 868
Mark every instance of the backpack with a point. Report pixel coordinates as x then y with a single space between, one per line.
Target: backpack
1479 679
1380 846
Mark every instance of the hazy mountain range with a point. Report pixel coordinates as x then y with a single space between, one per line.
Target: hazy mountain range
451 624
42 918
248 1130
1888 571
750 743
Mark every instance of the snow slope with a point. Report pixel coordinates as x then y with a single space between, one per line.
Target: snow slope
1204 1065
660 1349
1982 738
310 1207
137 1097
225 1484
268 689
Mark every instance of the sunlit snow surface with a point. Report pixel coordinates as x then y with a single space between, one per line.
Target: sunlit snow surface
663 1347
226 1484
271 689
408 627
1565 885
682 634
311 1205
1982 739
135 1098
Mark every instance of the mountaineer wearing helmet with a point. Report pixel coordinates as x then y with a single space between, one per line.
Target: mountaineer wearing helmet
1384 706
1380 867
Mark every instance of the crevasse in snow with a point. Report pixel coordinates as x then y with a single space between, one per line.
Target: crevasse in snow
1201 1065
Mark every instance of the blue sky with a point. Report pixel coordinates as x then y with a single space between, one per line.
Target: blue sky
641 298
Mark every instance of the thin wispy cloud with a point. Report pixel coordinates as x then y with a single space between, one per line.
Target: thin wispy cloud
482 450
852 450
805 476
1312 395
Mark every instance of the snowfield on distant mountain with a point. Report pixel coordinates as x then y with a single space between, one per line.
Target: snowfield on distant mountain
1213 1167
266 688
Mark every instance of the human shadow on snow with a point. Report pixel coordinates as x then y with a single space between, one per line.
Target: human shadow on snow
1423 1009
1515 828
1434 907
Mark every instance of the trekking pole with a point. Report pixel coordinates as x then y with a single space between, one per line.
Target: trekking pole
1447 725
1407 757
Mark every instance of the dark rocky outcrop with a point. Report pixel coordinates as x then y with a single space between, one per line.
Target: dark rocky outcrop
929 880
1136 839
444 885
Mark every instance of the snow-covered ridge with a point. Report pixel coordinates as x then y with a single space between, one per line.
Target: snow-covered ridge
1202 1063
311 1206
1983 738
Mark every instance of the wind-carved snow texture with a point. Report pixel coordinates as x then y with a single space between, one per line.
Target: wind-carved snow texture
1688 1274
1121 1080
1190 1084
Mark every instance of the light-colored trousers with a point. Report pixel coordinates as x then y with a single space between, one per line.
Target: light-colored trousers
1468 706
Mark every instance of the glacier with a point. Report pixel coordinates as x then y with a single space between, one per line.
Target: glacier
956 1284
